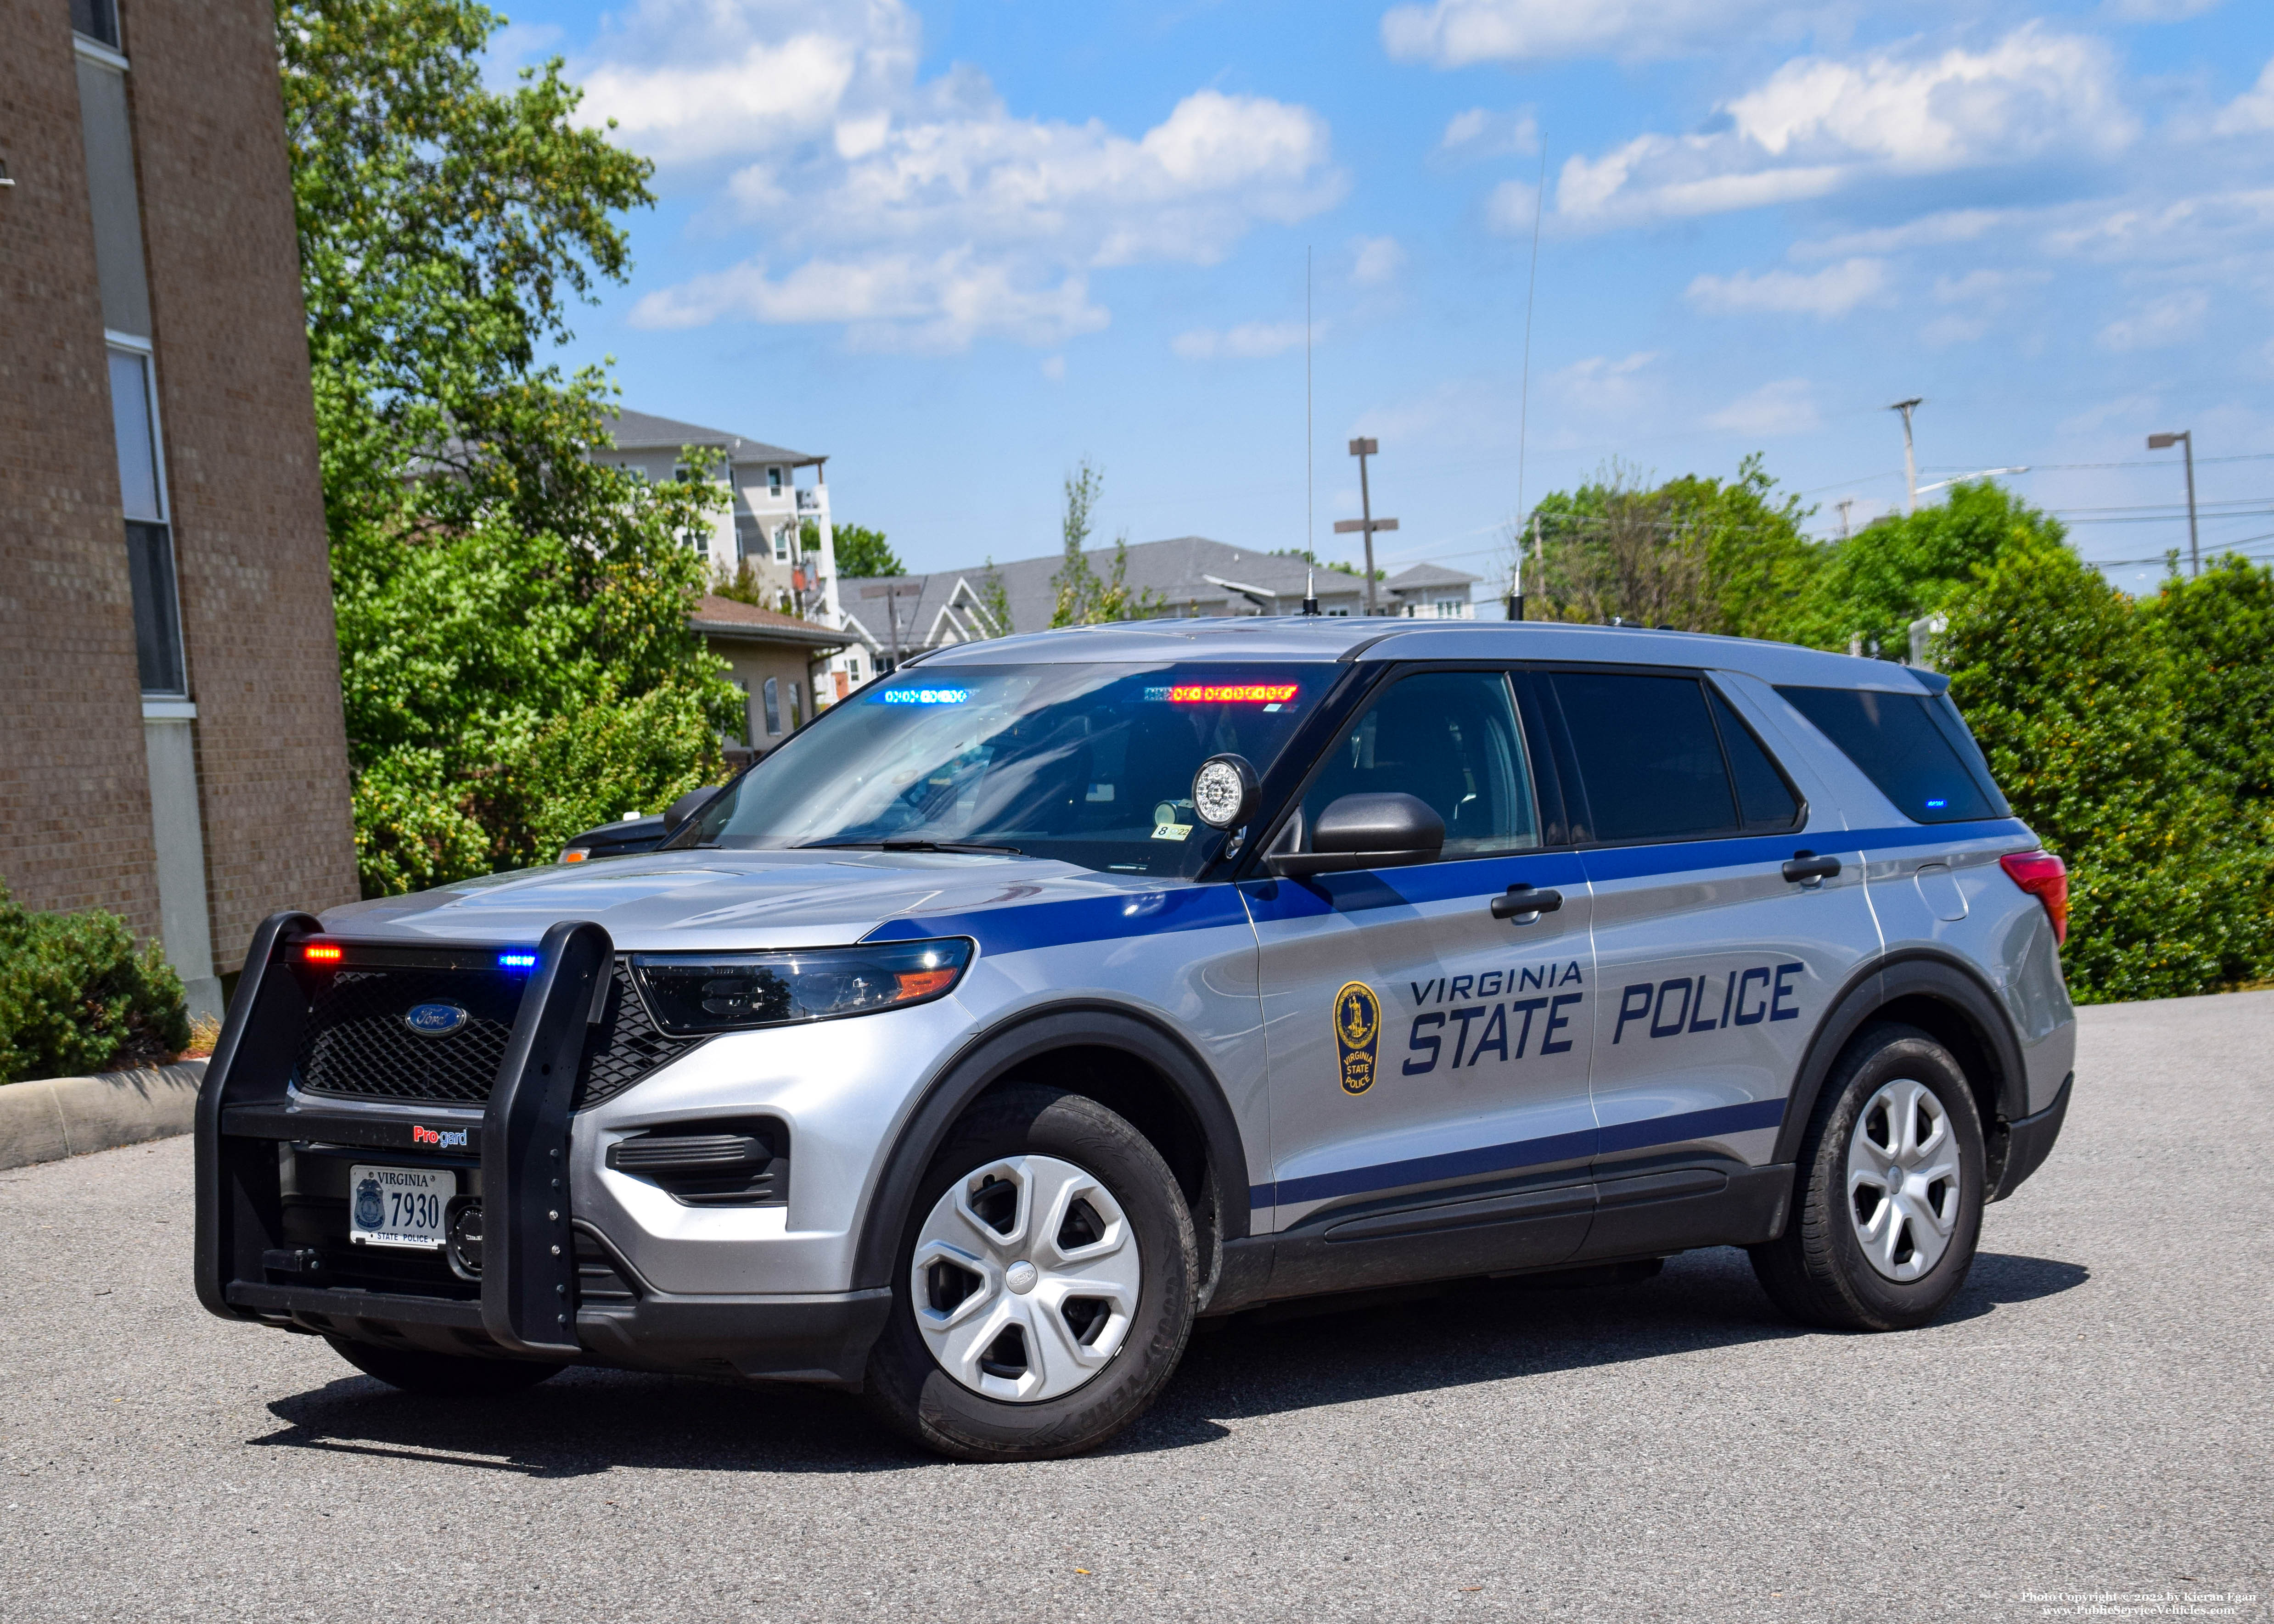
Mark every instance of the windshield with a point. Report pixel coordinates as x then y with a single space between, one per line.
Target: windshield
1089 764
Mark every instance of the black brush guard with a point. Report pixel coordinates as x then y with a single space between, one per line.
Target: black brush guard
529 1257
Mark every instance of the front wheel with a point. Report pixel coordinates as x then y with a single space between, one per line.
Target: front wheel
1045 1283
1889 1205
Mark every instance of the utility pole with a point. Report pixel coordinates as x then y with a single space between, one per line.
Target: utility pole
1911 463
889 591
1844 504
1362 449
2185 438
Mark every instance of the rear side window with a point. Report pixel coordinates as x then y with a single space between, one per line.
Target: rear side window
1765 800
1906 748
1649 756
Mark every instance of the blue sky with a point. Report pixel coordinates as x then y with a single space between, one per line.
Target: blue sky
958 246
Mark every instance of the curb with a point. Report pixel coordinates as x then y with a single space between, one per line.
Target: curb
60 1117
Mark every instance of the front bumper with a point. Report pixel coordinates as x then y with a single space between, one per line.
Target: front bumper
550 1285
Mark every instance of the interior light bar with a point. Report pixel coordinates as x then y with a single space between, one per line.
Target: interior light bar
1226 692
517 961
320 954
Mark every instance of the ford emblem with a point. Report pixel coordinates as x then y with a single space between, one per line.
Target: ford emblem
435 1020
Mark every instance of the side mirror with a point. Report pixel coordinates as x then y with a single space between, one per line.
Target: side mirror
1366 831
686 806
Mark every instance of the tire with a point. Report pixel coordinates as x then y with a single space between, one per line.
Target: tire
442 1375
1864 1251
1032 1386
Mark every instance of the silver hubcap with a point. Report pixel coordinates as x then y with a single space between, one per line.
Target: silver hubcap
1902 1180
1025 1278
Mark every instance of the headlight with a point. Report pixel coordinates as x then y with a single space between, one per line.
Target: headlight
732 992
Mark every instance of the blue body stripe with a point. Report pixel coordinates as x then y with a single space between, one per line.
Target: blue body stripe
1061 923
1021 928
1677 1129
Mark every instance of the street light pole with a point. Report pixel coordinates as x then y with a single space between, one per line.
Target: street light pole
2186 440
1910 462
1367 525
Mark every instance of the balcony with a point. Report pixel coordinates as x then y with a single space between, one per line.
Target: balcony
809 501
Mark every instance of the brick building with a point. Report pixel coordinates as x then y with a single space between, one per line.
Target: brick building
171 745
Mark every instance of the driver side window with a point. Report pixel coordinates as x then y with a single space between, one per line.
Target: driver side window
1450 738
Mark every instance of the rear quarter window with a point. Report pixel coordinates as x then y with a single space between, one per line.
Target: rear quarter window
1916 749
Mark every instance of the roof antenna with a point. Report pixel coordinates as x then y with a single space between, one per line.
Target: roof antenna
1310 591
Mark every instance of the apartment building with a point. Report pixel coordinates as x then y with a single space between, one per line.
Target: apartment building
171 745
776 521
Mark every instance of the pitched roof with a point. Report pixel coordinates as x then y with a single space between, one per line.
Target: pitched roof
731 620
640 431
1423 577
1184 575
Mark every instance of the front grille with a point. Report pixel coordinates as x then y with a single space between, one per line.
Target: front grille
357 1045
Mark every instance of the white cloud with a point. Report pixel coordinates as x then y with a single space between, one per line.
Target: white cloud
885 301
1250 340
1601 386
1817 124
1481 133
1988 289
1957 225
2159 10
1455 34
2172 319
1512 208
1785 407
1833 292
2253 111
1376 260
926 215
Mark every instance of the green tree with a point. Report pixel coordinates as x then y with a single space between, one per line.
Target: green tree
2218 629
862 554
1084 597
2077 702
1874 585
515 651
1696 553
76 995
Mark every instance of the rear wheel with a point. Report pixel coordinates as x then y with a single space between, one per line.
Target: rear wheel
1045 1283
1889 1205
442 1375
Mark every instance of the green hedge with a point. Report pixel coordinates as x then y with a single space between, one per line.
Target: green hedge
76 997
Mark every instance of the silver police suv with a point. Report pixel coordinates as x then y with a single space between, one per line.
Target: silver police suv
1054 991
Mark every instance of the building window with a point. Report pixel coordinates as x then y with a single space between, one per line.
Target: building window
98 20
774 481
773 705
782 539
853 668
796 720
149 541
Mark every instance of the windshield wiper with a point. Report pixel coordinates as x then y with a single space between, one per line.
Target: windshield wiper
909 846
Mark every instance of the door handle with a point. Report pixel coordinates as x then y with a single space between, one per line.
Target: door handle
1806 867
1523 901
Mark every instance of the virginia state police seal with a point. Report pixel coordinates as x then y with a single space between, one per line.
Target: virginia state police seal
370 1205
1358 1034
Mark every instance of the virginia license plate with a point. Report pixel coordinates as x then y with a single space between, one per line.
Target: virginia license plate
398 1206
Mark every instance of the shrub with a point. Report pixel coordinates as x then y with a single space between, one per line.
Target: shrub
2077 702
75 995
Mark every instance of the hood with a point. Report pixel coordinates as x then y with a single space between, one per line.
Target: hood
714 900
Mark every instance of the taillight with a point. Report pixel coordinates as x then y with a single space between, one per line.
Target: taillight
2046 877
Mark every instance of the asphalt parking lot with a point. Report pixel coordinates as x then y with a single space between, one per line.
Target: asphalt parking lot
2093 1419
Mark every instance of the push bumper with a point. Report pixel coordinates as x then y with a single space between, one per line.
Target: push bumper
2029 1140
532 1299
